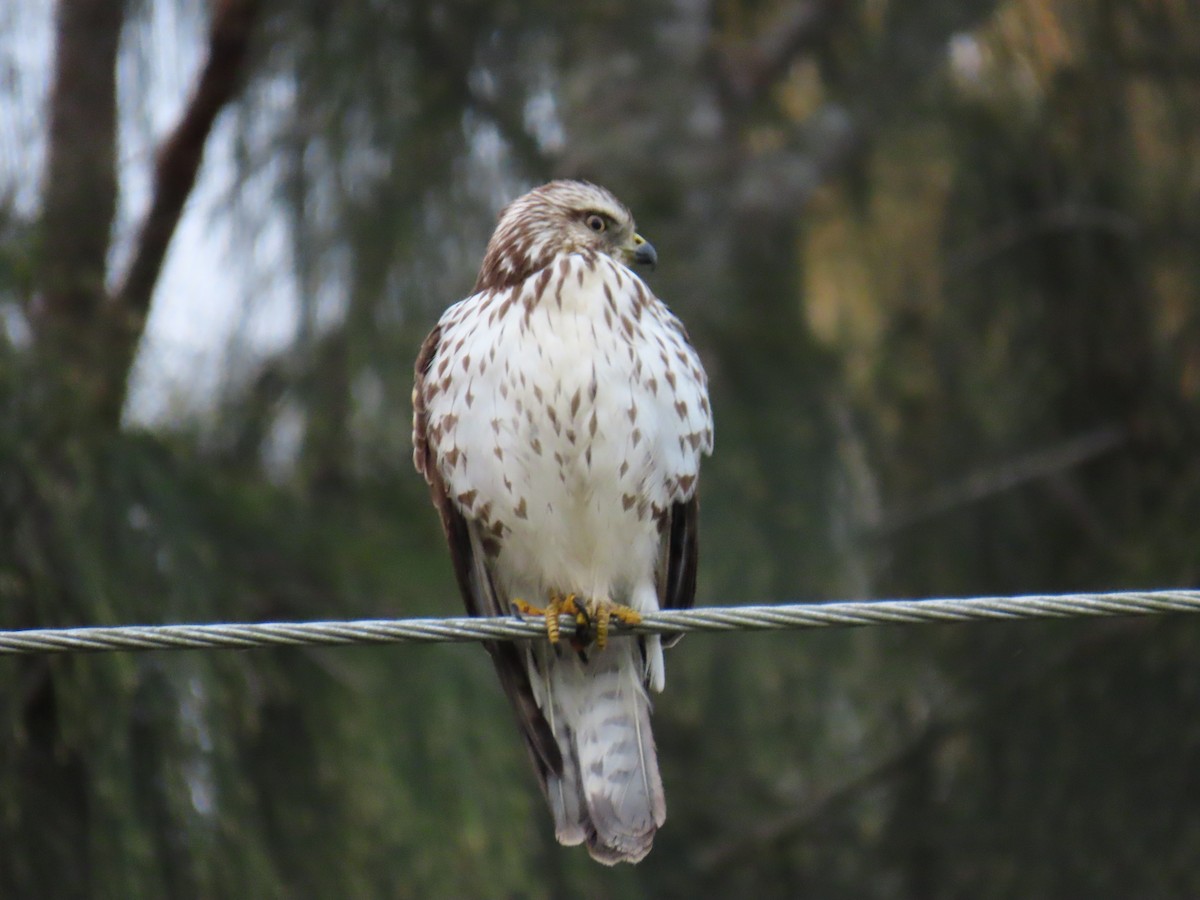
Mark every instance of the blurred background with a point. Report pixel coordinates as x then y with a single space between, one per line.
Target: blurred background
940 261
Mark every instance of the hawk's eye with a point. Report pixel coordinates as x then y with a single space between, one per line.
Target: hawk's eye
595 222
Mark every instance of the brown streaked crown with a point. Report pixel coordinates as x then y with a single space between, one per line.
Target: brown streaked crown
550 220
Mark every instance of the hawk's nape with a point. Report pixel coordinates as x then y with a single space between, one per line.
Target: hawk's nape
560 416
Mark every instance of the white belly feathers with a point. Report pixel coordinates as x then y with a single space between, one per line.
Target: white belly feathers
587 414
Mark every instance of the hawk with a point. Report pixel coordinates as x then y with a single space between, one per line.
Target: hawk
560 415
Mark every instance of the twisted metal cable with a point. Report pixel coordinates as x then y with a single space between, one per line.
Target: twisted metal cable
712 618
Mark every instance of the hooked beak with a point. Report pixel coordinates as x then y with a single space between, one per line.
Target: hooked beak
643 253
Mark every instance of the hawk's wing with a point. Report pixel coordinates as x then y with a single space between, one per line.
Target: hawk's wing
680 551
680 547
475 581
677 562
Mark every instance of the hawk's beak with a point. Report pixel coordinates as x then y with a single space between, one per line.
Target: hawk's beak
643 253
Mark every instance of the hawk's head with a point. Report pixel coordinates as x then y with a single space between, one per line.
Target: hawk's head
560 217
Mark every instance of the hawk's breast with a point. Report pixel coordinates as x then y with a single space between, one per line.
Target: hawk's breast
567 414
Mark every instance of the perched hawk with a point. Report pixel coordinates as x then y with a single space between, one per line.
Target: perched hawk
560 416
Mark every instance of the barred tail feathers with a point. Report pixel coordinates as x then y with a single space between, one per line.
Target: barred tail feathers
610 794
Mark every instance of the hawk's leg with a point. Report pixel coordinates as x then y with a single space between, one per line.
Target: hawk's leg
558 606
597 613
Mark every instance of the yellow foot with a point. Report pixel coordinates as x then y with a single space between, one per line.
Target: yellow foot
592 618
557 606
599 613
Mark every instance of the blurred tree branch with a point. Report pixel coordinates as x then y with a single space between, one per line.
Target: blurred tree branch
746 847
175 173
1005 476
1057 219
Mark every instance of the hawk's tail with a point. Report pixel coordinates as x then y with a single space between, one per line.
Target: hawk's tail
610 794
